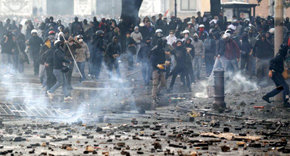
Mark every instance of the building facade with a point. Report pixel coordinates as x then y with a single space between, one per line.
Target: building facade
112 8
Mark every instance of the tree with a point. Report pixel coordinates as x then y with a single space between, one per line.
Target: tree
215 7
130 11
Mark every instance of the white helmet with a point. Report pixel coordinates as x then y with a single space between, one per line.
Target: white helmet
185 32
201 26
158 31
226 35
56 41
272 31
232 27
33 31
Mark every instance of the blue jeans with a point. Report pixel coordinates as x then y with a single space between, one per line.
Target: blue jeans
81 66
281 85
197 64
146 72
60 81
114 64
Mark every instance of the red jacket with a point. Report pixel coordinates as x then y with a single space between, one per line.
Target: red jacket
232 50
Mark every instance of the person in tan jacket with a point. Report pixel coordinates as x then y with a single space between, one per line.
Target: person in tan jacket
82 55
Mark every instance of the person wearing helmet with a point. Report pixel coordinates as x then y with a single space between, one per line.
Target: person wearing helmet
230 55
99 47
202 33
186 35
58 61
158 35
276 69
191 28
199 55
113 52
158 62
143 57
82 55
34 45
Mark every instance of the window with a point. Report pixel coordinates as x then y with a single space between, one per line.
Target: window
188 5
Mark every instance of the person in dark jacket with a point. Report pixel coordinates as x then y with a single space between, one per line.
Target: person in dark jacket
158 62
8 50
97 54
264 52
210 51
112 54
130 50
180 68
48 43
21 46
190 53
144 58
77 28
58 65
275 72
48 63
245 53
35 43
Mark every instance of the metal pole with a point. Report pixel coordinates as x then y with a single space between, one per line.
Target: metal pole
175 8
278 33
61 34
219 90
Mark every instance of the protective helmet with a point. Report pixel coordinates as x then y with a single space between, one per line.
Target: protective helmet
51 32
99 32
185 32
226 35
57 42
80 36
158 31
33 31
201 26
272 30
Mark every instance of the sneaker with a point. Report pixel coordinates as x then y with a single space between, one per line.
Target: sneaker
266 99
68 98
50 95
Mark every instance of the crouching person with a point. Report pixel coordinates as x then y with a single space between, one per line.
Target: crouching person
59 70
158 62
275 72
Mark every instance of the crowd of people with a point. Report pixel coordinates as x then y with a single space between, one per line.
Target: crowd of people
163 48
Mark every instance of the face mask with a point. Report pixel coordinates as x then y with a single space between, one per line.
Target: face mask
70 43
159 34
81 40
195 39
136 31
